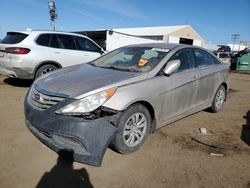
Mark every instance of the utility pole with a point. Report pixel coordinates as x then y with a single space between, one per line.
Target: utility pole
53 14
234 38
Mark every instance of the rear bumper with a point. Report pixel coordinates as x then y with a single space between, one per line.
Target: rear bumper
86 140
15 73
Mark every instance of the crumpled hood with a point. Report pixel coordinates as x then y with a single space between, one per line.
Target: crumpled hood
76 80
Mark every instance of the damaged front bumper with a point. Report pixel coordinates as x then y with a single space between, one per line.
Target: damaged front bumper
87 140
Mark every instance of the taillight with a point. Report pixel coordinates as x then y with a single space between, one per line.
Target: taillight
15 50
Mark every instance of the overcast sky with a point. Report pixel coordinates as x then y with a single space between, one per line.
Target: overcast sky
214 20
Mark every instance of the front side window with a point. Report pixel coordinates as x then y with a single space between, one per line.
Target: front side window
186 59
134 59
86 45
202 58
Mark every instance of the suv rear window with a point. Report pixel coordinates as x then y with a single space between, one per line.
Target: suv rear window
13 38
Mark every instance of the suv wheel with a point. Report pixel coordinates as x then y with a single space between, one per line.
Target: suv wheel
44 70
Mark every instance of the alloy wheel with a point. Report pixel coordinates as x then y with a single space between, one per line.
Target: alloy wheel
219 99
135 129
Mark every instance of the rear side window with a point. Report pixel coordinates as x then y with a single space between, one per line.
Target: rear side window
13 38
215 61
43 40
202 58
66 42
86 45
224 55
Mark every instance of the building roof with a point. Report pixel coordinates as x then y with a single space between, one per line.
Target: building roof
144 31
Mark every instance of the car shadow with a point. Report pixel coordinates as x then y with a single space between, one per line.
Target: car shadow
63 175
18 82
245 133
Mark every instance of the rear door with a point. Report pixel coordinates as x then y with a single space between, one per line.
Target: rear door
209 75
66 49
66 52
60 48
179 90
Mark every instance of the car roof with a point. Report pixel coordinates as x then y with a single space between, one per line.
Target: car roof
160 45
29 31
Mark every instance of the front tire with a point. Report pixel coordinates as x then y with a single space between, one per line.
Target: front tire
133 129
219 99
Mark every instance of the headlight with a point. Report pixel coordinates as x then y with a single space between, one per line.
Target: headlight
87 104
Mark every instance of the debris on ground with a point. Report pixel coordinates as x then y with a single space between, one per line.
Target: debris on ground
200 142
217 154
203 131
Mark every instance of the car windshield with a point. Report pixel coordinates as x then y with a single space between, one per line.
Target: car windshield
133 59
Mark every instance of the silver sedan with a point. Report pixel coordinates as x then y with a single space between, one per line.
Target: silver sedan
118 99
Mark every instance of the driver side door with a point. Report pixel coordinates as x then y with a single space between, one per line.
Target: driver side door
179 90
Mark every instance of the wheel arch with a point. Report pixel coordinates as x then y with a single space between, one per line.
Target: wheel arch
224 84
151 111
58 65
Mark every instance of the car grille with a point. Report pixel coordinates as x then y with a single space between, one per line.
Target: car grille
43 101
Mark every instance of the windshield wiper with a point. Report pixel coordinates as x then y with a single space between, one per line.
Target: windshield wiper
122 68
116 68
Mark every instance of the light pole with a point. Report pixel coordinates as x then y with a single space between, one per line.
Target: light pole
52 13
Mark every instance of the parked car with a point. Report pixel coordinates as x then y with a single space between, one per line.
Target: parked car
30 54
121 97
224 48
225 57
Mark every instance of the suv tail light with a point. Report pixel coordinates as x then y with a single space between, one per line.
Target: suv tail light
15 50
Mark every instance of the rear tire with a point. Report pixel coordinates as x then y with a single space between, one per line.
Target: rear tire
219 99
133 127
44 70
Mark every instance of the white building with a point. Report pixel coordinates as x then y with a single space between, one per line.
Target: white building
114 38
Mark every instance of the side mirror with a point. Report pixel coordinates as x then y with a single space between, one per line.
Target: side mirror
102 51
171 67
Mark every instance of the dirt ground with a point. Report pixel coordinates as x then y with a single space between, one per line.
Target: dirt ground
174 156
